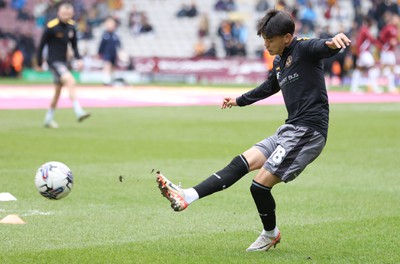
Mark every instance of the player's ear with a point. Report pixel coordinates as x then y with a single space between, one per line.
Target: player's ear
287 38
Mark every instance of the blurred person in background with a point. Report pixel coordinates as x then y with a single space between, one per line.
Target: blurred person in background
17 61
39 12
58 34
108 50
389 41
365 61
204 25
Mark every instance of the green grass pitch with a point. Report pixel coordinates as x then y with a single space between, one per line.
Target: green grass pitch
344 208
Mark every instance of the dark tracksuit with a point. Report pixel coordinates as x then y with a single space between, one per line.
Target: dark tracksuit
109 46
57 35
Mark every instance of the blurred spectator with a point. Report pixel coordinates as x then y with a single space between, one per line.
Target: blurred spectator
92 19
11 57
39 12
234 37
281 4
146 27
365 62
308 16
201 51
225 5
79 8
204 25
3 4
199 48
225 32
17 62
102 11
382 8
26 45
108 50
211 52
115 4
84 27
389 42
139 22
24 14
239 32
18 4
134 19
262 6
188 10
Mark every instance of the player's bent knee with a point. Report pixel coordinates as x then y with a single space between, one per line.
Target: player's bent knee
255 158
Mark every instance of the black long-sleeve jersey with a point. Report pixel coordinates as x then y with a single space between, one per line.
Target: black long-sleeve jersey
57 35
299 74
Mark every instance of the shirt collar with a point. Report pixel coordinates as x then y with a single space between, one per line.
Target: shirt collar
286 50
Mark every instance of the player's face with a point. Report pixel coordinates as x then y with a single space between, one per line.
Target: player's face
110 25
65 13
276 44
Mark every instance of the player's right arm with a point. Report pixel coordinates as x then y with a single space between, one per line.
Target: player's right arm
266 89
43 41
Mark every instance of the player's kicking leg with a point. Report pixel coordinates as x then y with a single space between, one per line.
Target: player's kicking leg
181 198
69 82
175 194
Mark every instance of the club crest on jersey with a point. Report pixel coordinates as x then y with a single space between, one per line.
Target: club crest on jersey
71 34
288 61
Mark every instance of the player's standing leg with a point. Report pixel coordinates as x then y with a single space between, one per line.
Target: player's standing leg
107 73
49 121
388 72
265 203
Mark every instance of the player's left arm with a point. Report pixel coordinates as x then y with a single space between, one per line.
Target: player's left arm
74 44
315 49
338 41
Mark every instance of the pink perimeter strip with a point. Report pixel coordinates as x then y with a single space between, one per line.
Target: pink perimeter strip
38 97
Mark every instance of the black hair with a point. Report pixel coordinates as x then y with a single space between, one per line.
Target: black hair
275 23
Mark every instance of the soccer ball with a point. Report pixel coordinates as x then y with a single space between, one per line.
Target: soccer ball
54 180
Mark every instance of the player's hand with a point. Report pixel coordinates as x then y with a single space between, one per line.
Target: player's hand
338 41
228 102
38 68
79 65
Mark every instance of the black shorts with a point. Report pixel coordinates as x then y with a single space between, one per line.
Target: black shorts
111 59
58 68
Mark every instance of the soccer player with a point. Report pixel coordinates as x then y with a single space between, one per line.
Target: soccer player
57 35
108 49
365 61
298 73
389 42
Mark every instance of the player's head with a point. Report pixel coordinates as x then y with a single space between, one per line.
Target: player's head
110 24
367 21
395 19
65 12
277 28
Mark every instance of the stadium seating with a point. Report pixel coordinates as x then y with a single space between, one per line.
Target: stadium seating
173 37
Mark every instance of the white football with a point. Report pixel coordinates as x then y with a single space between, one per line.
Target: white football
54 180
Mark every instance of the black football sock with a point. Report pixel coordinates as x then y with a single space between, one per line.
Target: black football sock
223 178
265 204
